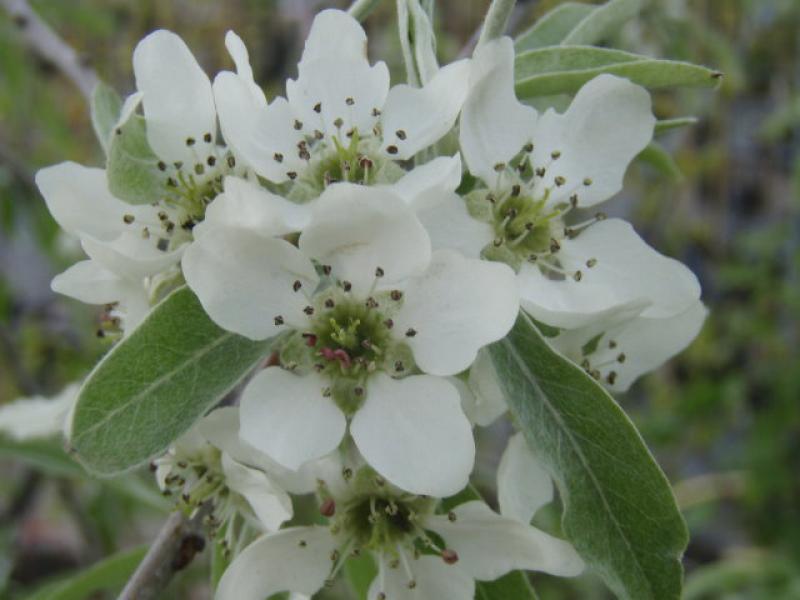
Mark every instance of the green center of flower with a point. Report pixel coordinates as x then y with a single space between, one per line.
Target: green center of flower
349 339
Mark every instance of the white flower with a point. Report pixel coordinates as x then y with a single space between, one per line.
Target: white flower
625 345
537 169
340 121
369 515
38 417
373 334
205 466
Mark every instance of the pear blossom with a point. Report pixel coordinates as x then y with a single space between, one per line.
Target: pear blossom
340 120
619 349
535 172
38 417
372 324
366 514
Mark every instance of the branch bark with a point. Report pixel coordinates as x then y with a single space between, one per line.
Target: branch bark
176 545
49 46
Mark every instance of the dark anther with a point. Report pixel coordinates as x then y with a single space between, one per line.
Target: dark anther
528 147
347 286
211 161
399 366
298 125
540 172
199 169
577 275
329 303
297 285
278 157
396 295
449 556
338 122
587 181
292 175
162 244
318 107
388 323
560 180
400 134
279 321
515 190
328 508
162 166
392 149
309 310
326 269
207 138
411 332
231 162
128 219
379 272
349 101
190 141
555 154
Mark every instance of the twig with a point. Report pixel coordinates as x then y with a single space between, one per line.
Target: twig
176 545
49 46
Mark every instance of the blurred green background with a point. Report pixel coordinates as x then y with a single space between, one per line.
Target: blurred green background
723 418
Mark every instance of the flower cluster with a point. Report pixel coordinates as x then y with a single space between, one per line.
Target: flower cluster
381 278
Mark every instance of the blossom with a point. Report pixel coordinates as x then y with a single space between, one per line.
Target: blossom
536 171
373 324
38 417
368 515
619 349
340 120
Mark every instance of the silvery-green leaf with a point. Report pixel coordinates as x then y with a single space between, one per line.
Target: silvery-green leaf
553 26
564 69
661 160
602 22
132 167
105 107
156 383
619 510
665 125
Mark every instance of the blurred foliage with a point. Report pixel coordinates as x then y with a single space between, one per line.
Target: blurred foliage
723 418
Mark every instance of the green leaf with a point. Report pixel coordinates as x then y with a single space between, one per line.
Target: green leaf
665 125
132 167
511 586
565 69
156 383
105 107
619 510
47 456
661 160
553 26
109 574
360 571
602 22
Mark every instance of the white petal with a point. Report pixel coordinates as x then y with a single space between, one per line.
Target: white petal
37 417
450 226
244 280
489 546
241 59
79 200
178 102
456 307
221 428
627 269
347 93
247 205
489 400
645 343
434 579
523 485
413 432
336 35
130 256
269 502
260 136
89 282
494 124
296 560
424 115
288 417
356 229
424 186
608 123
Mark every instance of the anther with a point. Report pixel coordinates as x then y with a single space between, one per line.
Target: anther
371 303
190 141
338 122
376 112
297 285
162 166
128 219
621 357
555 154
391 149
328 508
559 180
400 134
207 138
587 182
411 332
412 584
612 344
554 245
318 107
388 323
278 157
396 295
379 272
452 517
302 543
399 366
358 391
601 216
577 275
171 182
500 167
540 172
292 175
591 262
349 101
326 269
309 310
528 147
449 556
298 125
162 244
318 134
178 164
211 161
347 286
278 321
199 169
611 377
515 190
231 162
329 303
573 200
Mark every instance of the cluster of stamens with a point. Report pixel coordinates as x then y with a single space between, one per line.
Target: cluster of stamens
595 369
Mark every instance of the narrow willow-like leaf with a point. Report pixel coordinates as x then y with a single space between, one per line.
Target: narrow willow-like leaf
47 456
553 26
105 107
108 575
132 167
602 22
619 510
564 69
661 160
665 125
156 383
